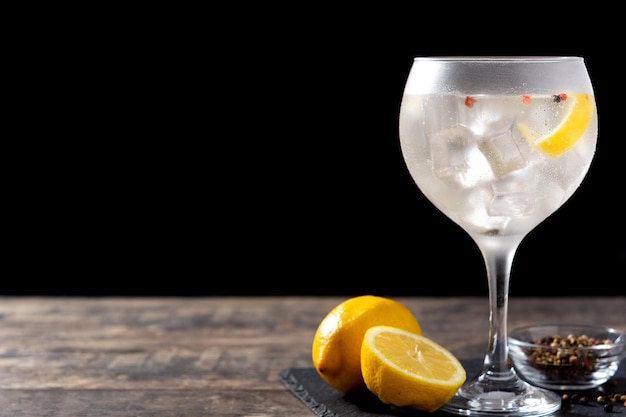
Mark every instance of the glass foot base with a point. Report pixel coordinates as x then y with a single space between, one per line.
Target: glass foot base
477 399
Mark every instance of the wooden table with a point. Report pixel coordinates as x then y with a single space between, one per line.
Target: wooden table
179 357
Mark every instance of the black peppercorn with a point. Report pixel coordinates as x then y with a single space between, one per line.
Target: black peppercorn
562 358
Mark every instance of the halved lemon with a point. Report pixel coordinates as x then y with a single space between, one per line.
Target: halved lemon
406 369
555 142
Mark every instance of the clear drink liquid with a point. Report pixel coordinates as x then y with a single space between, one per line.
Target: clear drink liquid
487 161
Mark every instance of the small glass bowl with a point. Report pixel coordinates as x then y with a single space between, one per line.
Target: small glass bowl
564 364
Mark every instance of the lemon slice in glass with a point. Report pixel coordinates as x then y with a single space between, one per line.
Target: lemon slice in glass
554 142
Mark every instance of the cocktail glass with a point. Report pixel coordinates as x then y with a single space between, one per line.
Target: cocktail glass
498 144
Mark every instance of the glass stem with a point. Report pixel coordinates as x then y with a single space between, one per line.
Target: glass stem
498 253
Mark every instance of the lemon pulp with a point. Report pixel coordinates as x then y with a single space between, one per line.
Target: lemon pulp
409 370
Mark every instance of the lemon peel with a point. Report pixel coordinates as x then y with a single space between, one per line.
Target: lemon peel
558 141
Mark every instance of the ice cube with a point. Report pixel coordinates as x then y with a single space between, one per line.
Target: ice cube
440 113
449 151
456 159
550 196
571 169
474 211
503 153
513 195
560 177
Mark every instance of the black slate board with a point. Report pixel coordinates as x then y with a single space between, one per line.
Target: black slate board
325 401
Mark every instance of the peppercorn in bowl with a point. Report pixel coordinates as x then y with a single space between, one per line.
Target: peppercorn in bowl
566 357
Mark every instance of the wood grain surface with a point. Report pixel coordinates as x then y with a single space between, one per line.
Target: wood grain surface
210 356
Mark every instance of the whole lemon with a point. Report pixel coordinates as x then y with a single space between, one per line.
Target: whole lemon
337 343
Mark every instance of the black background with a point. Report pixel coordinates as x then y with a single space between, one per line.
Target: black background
181 157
